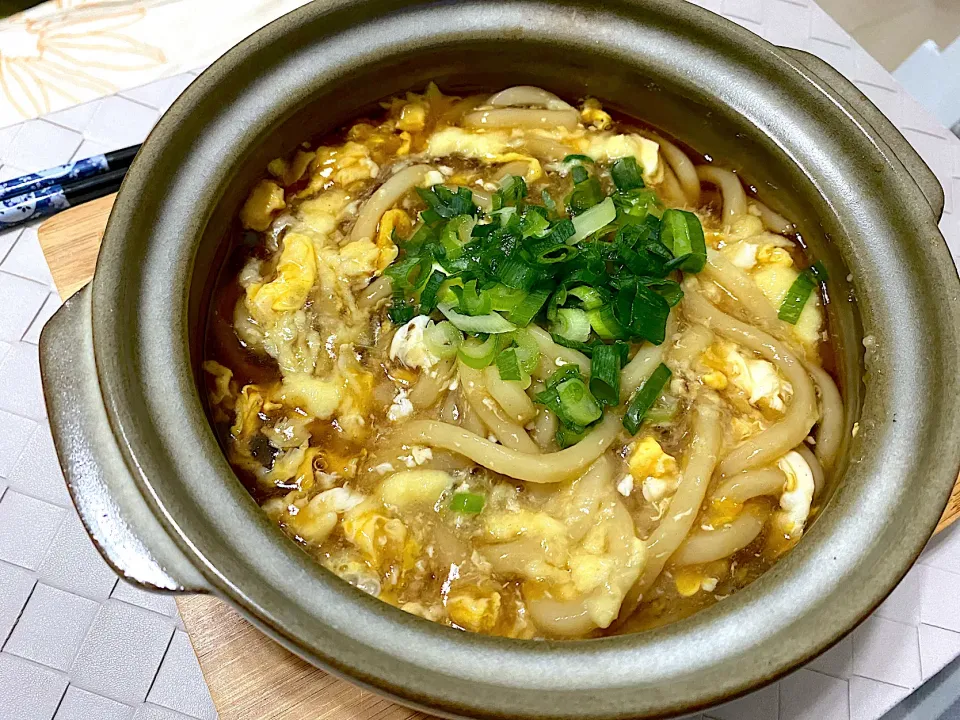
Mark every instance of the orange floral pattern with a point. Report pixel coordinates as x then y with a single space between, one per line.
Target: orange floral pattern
64 52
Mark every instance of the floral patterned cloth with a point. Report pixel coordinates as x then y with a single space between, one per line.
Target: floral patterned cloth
65 52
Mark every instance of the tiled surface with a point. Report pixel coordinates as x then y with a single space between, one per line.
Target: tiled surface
77 643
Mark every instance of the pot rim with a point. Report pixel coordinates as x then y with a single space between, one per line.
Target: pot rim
138 307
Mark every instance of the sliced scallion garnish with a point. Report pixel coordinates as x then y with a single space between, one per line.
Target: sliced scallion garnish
476 353
492 322
577 405
626 174
644 398
796 297
682 233
508 363
572 324
605 374
467 502
442 339
592 220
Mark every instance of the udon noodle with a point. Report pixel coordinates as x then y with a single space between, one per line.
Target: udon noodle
522 368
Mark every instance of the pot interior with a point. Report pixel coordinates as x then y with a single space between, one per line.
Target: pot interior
703 124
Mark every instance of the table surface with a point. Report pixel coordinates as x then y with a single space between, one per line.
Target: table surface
76 643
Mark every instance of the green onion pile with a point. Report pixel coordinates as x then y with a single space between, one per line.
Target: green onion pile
599 275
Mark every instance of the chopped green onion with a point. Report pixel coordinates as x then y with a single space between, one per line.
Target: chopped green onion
564 372
572 324
442 339
585 195
577 405
508 363
644 398
605 374
524 313
682 233
444 203
513 188
504 299
400 311
796 297
477 353
642 312
567 436
589 296
592 220
533 224
517 273
585 348
626 174
577 159
492 322
604 322
428 296
472 300
456 234
528 352
467 503
548 202
819 271
579 174
636 205
664 411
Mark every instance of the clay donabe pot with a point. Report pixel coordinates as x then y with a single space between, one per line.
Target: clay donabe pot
121 359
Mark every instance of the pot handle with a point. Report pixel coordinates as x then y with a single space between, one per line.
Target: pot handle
114 511
841 88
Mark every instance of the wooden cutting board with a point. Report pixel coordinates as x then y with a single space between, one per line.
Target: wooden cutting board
250 676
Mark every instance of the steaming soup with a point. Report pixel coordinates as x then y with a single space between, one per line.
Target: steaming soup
522 368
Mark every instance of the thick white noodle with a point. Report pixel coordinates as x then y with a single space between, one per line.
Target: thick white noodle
773 442
553 356
512 398
746 292
529 96
683 168
636 372
385 198
749 484
510 434
547 468
772 220
522 118
734 198
705 546
695 473
431 385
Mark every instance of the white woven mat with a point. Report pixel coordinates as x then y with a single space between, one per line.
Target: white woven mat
78 645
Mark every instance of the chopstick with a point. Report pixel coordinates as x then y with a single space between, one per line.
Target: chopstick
45 193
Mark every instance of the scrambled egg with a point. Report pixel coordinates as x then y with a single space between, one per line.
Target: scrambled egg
608 147
570 552
410 488
384 541
408 345
500 146
474 609
264 201
757 379
592 113
296 273
655 470
797 493
774 281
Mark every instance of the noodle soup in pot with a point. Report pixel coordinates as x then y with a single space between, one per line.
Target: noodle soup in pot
523 368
